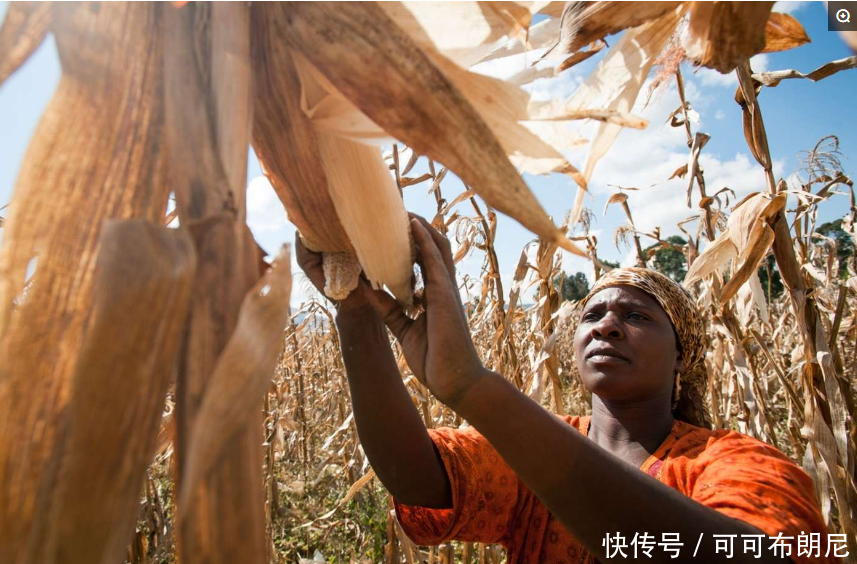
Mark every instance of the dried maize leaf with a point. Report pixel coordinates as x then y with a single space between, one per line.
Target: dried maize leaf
24 28
712 258
724 34
752 236
346 41
283 136
208 106
783 32
585 22
773 78
143 274
616 82
503 106
242 374
540 35
462 31
99 140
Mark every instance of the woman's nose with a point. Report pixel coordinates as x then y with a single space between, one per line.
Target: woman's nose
608 326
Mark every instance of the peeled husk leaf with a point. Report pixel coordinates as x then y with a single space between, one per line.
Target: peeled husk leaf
284 136
364 194
444 126
723 34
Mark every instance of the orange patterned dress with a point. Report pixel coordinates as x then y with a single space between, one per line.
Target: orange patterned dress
725 470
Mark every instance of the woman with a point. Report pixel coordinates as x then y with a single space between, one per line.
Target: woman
642 471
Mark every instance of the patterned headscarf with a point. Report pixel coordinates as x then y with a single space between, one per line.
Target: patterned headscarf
680 307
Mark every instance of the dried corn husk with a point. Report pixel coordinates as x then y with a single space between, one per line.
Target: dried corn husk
443 126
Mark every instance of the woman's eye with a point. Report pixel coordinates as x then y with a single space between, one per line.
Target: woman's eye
590 317
635 315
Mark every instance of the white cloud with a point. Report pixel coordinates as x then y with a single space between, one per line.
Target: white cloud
719 115
710 77
265 212
790 7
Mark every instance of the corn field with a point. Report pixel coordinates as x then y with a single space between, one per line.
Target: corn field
105 311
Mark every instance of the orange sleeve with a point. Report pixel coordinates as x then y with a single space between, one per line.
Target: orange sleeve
484 493
754 482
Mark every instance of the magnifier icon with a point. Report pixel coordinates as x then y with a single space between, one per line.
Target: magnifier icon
843 16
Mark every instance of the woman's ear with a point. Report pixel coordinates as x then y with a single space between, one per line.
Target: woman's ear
679 364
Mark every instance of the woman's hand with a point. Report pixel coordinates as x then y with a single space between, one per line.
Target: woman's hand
355 305
437 345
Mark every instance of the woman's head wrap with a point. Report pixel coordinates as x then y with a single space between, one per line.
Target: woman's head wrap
689 328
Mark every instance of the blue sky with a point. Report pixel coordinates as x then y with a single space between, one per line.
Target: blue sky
797 113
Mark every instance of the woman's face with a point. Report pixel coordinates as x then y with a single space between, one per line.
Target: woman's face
625 346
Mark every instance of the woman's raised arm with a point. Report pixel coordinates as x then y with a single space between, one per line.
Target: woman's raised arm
391 431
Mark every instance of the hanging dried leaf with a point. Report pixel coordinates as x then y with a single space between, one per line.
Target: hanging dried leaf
748 237
24 28
585 22
619 198
773 78
679 172
699 141
445 127
143 273
242 373
616 82
783 32
208 95
580 56
724 34
462 31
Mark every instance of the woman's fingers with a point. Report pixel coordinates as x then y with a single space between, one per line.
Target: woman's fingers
434 268
389 310
442 243
310 262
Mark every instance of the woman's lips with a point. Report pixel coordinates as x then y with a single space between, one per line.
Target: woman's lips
605 356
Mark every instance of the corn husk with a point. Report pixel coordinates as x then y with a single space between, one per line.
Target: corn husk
443 126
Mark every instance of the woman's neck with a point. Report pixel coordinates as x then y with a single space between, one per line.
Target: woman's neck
630 431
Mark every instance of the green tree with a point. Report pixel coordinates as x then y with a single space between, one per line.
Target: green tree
669 260
574 287
776 286
844 243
